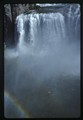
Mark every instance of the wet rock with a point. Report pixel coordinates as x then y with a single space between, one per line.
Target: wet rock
11 11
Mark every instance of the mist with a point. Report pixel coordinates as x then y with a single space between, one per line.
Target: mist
43 70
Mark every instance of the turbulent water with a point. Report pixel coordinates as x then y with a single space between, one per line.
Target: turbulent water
43 71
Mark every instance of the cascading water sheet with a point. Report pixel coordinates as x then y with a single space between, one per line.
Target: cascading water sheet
44 73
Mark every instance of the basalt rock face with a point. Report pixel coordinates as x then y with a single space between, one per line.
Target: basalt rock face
11 11
7 24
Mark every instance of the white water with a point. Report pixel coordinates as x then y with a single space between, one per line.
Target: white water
46 68
44 30
47 5
50 39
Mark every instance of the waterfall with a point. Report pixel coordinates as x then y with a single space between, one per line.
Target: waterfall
45 29
43 72
43 22
49 36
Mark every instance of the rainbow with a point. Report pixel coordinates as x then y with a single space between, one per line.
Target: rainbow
16 103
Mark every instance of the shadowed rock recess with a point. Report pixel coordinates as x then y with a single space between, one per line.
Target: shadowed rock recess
42 60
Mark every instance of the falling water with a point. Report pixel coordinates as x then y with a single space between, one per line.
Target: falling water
45 73
43 30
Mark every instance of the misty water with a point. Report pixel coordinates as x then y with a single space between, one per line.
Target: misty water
42 72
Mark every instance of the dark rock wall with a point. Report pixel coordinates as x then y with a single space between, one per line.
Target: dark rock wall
11 11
